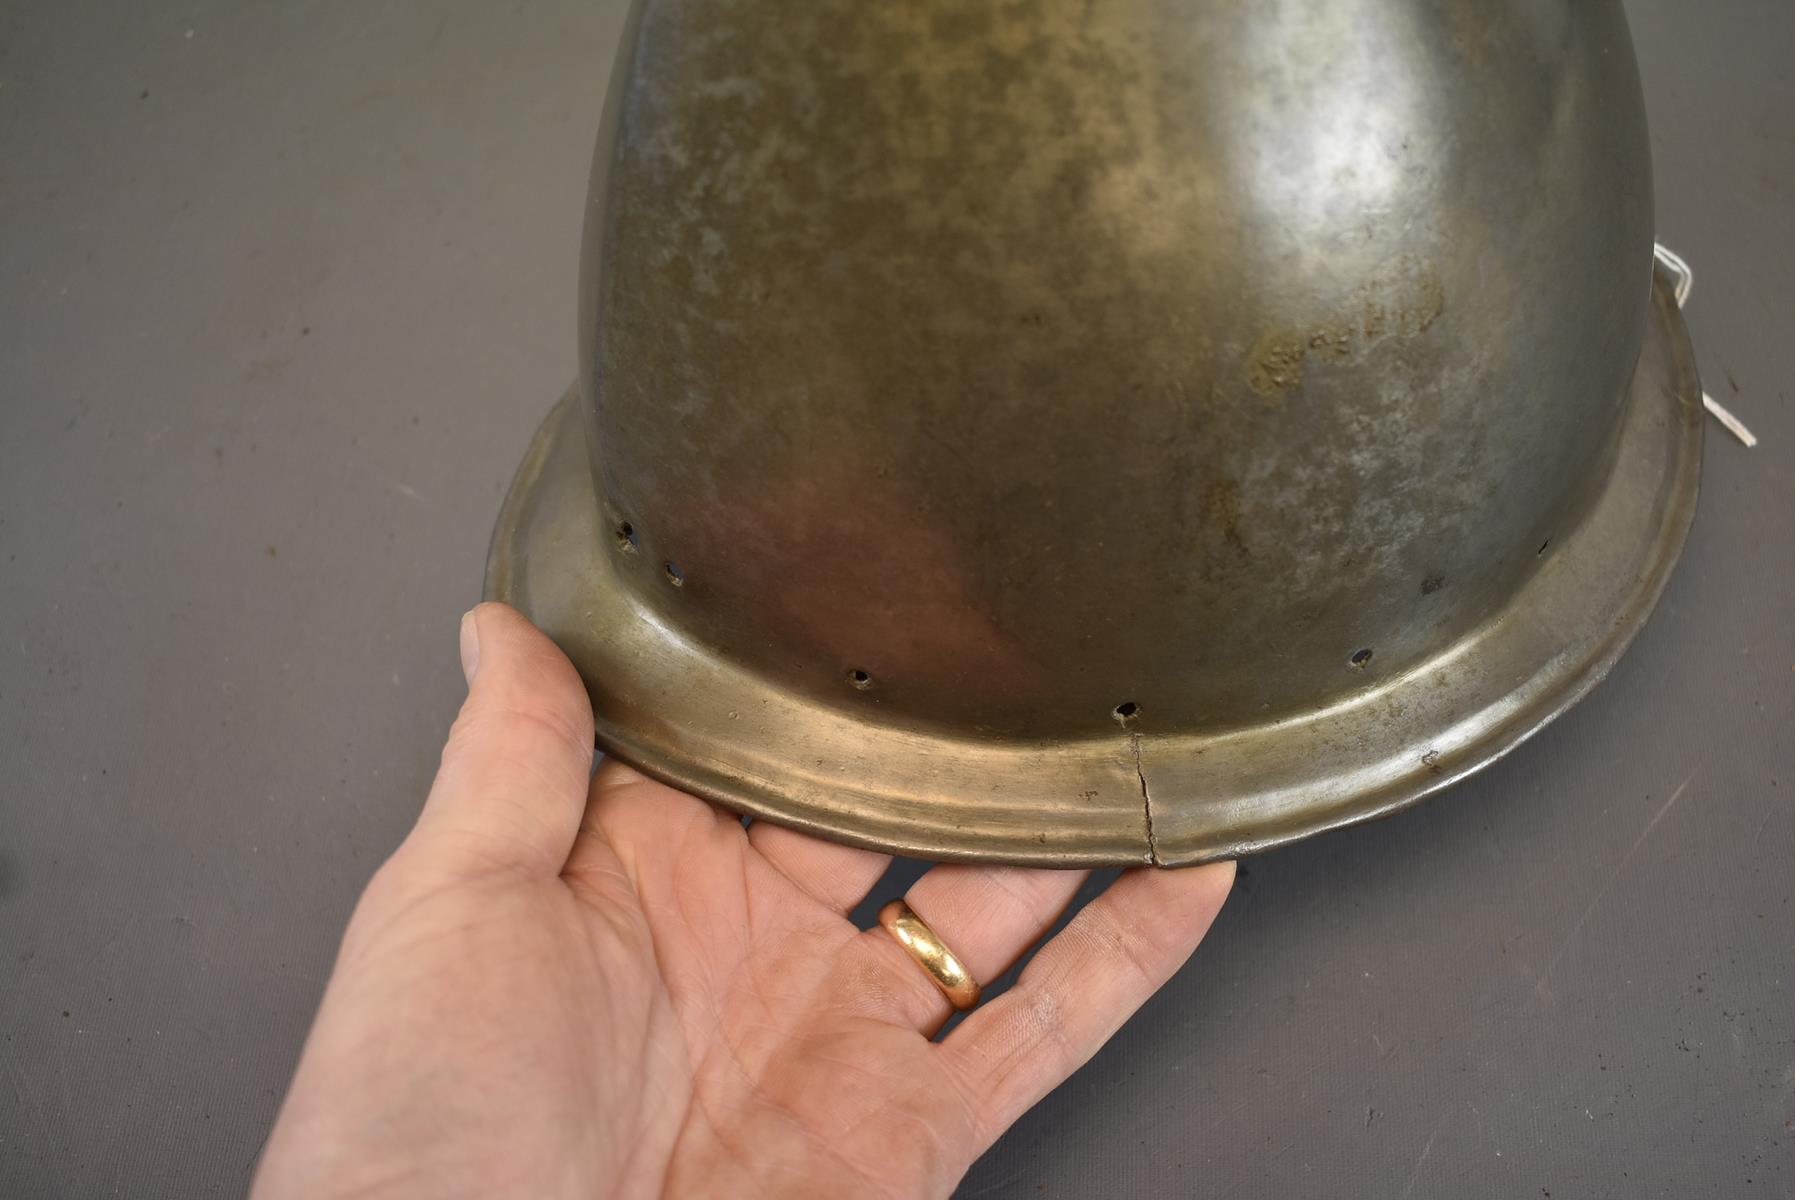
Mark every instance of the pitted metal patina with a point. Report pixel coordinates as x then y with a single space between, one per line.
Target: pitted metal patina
1138 431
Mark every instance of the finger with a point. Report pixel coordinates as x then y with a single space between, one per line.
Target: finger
987 915
1081 986
654 831
512 784
837 877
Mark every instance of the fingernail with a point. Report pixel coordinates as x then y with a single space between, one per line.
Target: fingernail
470 646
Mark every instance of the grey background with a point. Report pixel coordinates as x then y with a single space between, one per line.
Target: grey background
284 290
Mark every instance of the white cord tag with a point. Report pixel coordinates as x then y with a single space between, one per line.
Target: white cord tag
1673 262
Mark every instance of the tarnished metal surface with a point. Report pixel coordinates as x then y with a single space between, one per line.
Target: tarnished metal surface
1138 431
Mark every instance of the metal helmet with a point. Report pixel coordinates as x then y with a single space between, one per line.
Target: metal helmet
1074 433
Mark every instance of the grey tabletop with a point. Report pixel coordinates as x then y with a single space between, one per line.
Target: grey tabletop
284 290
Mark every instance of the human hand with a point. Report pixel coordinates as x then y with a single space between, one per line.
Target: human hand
572 985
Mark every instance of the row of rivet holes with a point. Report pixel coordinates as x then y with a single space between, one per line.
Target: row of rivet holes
630 542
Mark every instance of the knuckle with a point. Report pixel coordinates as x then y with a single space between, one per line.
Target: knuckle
519 727
1129 946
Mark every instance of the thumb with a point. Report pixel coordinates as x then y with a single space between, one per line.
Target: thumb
512 786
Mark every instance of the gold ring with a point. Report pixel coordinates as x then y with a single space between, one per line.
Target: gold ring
913 934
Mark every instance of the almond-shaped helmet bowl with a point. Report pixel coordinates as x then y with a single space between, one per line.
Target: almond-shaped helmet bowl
1144 431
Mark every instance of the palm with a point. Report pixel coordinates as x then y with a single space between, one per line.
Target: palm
558 987
803 1043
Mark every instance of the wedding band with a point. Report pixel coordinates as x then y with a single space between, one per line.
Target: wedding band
913 934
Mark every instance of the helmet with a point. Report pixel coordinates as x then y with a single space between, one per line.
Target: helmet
1142 432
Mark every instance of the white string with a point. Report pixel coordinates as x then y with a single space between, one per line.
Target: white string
1685 284
1734 425
1685 276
